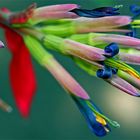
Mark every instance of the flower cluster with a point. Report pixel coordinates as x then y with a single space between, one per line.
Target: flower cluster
99 41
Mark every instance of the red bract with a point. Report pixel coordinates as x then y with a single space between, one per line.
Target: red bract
21 72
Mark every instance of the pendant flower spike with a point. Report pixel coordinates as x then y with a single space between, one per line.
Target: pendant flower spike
85 36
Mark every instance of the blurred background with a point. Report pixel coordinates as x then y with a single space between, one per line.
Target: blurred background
54 116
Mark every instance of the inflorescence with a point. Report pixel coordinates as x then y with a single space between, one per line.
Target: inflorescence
100 41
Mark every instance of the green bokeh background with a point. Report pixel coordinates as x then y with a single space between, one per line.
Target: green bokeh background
54 116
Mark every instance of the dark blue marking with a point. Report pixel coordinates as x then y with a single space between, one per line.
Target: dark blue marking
104 73
98 12
114 70
112 49
133 32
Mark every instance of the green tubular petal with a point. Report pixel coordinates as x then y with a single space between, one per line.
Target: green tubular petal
113 123
136 26
89 39
57 22
86 66
132 80
135 22
43 22
82 38
92 42
54 42
122 66
59 30
49 41
130 51
59 73
36 50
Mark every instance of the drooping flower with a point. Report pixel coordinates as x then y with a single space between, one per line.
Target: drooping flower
96 120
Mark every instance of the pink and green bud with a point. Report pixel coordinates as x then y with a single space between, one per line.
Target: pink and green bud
100 40
55 12
60 74
65 79
87 25
54 8
84 51
104 24
126 41
123 85
74 48
133 59
69 47
130 79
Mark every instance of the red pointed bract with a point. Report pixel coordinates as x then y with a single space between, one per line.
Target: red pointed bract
21 72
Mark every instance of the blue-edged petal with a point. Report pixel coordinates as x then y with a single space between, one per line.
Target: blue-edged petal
97 124
104 73
112 49
98 12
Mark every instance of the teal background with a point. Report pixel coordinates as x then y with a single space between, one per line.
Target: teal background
54 116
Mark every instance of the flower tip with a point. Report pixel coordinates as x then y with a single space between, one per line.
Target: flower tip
115 124
4 106
71 6
1 44
123 20
137 95
24 108
9 109
32 6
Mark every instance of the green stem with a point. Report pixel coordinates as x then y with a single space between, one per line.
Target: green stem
41 55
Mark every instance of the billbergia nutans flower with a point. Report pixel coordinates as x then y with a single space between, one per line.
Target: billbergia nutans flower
97 40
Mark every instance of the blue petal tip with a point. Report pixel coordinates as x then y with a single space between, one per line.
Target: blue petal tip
112 49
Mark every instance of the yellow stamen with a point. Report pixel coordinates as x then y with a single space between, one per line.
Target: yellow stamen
132 73
100 120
